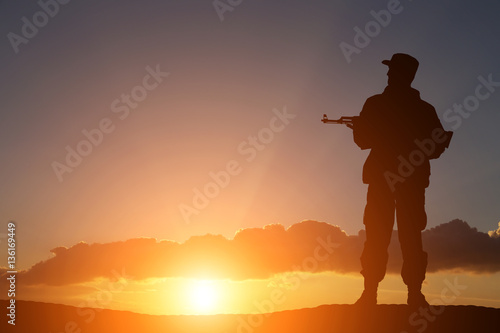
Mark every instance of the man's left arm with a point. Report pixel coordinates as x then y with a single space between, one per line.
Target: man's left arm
437 133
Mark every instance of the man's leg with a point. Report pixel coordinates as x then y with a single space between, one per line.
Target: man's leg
379 221
412 219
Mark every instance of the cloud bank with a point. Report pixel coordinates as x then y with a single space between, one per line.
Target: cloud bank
258 253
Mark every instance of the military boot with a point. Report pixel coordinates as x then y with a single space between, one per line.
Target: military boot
369 295
416 299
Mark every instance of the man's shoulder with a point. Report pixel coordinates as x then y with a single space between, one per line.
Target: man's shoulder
373 105
427 105
375 99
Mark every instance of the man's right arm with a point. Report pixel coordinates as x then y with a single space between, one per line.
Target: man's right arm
363 130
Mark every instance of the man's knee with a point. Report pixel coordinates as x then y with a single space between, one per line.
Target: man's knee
411 216
378 215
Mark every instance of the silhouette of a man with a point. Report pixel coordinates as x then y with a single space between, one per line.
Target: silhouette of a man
403 133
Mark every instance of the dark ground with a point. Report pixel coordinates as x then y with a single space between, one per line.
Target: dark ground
34 317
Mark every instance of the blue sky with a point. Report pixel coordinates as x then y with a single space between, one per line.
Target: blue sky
225 79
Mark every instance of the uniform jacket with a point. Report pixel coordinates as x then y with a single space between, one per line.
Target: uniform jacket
389 124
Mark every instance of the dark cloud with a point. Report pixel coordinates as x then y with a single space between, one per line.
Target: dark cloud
258 253
457 246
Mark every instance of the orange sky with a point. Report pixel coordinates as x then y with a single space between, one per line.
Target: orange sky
259 270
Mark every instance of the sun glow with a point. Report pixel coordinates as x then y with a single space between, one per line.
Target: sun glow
203 296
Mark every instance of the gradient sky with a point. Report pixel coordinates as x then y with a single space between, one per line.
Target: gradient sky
227 80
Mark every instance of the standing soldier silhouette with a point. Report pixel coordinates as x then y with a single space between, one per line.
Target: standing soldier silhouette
403 133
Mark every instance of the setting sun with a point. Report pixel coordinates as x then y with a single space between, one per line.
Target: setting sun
203 296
